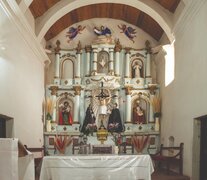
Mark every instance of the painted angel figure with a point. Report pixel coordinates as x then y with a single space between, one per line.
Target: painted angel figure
73 32
105 31
128 31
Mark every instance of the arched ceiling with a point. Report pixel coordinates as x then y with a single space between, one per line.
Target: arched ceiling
124 12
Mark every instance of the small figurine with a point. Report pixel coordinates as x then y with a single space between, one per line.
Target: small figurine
73 32
128 31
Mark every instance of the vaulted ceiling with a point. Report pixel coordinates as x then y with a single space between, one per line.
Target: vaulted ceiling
104 10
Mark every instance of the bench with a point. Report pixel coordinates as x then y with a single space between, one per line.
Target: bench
170 156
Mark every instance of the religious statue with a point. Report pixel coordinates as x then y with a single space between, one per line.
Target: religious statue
137 69
89 124
114 123
65 117
138 115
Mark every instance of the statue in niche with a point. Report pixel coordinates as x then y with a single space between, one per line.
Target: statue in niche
138 115
103 58
89 123
65 117
136 69
114 122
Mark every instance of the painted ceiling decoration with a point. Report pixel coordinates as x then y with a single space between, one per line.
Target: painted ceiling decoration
128 31
123 12
102 31
73 32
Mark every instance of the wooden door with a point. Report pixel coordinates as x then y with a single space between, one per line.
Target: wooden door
2 128
203 149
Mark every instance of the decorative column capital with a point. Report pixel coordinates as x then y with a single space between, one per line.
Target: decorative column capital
88 48
53 90
127 50
57 48
128 90
148 47
77 90
118 46
152 88
78 48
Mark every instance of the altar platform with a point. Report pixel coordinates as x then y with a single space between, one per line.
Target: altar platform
97 167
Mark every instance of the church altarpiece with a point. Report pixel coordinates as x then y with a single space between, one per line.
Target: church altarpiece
91 85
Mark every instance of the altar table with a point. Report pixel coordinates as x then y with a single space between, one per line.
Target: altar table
13 167
97 167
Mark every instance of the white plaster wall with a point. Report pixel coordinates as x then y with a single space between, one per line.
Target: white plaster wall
185 98
21 84
87 35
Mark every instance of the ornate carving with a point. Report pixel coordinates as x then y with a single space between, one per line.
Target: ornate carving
127 50
152 88
118 46
128 90
77 90
66 94
79 48
88 48
148 47
54 90
57 49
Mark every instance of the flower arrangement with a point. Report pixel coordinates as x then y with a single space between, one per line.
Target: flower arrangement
90 128
140 142
113 127
156 105
49 108
61 142
117 138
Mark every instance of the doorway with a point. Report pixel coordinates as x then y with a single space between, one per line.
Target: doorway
199 163
203 149
6 126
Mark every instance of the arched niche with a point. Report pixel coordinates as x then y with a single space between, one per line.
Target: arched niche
103 62
137 68
64 104
67 69
142 103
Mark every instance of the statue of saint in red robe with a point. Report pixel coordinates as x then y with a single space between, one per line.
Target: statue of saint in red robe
65 117
138 115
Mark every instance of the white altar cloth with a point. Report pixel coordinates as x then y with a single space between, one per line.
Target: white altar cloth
13 167
97 167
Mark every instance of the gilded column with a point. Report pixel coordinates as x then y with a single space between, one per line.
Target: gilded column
127 72
77 90
88 55
77 69
111 61
128 104
117 49
94 70
57 60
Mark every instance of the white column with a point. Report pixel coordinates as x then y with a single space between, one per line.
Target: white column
117 50
127 74
117 73
128 105
148 66
94 70
111 61
77 69
77 90
57 65
88 55
76 109
54 98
